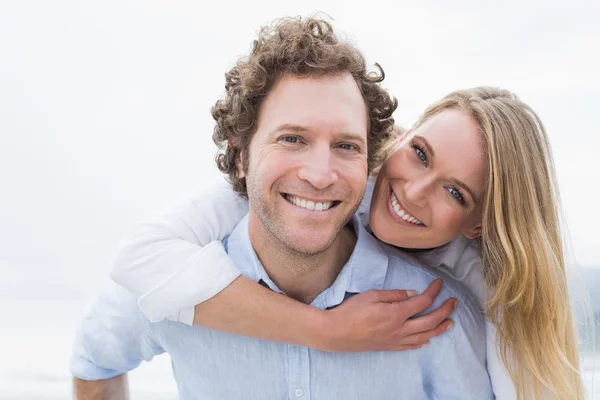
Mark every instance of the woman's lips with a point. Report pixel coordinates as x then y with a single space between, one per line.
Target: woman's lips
392 198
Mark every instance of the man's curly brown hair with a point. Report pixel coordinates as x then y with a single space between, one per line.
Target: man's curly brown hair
302 47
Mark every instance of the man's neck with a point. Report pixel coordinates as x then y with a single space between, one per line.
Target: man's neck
300 276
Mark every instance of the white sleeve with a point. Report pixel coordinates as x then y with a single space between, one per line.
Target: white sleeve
465 266
470 271
177 260
502 385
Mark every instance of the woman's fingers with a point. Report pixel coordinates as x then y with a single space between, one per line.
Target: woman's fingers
423 301
423 337
403 347
384 320
431 320
394 296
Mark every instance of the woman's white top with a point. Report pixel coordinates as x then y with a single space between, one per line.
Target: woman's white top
175 261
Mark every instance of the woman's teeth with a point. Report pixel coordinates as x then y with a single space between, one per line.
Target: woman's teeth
308 204
403 214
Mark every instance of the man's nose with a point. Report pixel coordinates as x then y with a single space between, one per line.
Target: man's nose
318 169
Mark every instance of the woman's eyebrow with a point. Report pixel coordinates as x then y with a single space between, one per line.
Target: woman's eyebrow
466 188
426 143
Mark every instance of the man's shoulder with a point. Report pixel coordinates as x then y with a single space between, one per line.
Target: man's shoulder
405 271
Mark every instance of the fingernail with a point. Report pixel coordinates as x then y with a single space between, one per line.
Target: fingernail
455 304
424 344
450 326
411 293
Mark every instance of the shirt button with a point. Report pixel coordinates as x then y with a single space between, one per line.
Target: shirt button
299 392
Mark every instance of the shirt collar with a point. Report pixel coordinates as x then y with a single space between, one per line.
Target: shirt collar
366 269
447 255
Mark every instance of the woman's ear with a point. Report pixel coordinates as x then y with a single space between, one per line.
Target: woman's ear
473 232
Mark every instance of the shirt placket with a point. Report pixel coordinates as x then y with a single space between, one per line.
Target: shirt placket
299 367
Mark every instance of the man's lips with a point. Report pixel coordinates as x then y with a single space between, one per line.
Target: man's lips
310 203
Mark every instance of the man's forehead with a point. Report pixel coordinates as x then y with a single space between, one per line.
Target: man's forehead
307 95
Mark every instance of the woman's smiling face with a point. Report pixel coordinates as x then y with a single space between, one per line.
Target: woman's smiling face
429 191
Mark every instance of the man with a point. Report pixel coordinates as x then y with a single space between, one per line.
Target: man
303 121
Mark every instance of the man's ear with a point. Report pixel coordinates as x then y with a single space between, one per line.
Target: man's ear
239 161
239 165
474 232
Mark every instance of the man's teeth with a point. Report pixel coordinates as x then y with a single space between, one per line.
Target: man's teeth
403 214
308 204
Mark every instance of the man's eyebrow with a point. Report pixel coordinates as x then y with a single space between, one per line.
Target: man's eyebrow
457 182
300 129
289 128
356 137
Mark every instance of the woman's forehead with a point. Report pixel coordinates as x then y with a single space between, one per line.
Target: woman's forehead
450 123
454 138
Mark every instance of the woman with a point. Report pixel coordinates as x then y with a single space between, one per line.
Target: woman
469 189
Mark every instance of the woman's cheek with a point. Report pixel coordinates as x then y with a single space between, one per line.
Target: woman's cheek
449 219
394 165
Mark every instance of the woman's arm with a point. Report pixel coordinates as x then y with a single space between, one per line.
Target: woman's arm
371 321
177 262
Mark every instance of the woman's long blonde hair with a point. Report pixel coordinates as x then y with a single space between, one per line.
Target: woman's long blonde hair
521 245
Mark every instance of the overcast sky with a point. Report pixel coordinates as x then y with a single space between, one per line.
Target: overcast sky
104 106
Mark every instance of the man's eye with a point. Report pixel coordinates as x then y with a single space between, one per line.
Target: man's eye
290 139
347 146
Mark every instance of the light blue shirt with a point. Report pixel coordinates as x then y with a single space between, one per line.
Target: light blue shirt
115 337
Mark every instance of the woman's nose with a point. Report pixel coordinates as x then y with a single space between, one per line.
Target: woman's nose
416 191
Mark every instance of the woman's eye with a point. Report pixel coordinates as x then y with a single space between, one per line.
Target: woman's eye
456 194
420 153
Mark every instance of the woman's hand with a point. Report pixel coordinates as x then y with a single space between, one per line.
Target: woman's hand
381 320
371 321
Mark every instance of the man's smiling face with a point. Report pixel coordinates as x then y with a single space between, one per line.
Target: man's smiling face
307 166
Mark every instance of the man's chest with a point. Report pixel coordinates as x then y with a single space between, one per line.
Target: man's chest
213 365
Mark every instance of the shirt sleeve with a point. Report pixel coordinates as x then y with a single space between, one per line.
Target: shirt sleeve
177 260
460 371
113 338
504 388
